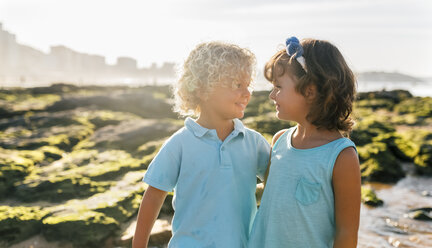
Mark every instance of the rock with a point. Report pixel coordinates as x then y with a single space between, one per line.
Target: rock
368 128
419 106
20 101
375 104
82 228
161 233
260 104
79 174
423 161
14 167
401 147
56 188
267 124
378 163
129 135
420 215
426 193
20 223
369 197
395 96
138 102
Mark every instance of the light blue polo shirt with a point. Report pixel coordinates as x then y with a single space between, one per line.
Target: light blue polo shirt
214 183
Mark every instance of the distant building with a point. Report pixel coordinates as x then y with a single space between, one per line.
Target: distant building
23 65
126 64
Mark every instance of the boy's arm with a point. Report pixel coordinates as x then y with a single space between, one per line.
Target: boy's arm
149 210
346 186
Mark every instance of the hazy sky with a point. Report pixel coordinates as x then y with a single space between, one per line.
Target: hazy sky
389 35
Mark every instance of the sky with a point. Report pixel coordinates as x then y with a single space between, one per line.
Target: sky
373 35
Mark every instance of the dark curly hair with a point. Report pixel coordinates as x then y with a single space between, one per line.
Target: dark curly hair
328 71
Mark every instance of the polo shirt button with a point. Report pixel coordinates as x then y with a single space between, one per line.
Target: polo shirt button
223 148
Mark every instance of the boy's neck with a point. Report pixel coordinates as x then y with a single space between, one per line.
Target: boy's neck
223 127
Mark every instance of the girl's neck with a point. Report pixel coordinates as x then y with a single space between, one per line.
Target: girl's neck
309 136
223 127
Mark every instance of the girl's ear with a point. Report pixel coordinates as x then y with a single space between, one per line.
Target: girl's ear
311 92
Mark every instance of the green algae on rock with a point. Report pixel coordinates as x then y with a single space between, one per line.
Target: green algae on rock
378 163
423 160
267 124
369 197
83 228
55 188
19 223
14 167
420 214
368 128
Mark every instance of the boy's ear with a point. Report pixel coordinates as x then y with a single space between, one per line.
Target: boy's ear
201 95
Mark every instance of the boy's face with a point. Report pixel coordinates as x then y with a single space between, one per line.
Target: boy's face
227 102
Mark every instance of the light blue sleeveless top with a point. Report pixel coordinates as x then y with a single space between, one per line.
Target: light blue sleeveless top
297 207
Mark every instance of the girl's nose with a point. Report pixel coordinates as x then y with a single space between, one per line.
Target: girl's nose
271 95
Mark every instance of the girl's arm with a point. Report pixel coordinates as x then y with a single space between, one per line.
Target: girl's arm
149 210
275 138
346 186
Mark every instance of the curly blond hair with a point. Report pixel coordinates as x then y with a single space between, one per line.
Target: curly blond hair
209 64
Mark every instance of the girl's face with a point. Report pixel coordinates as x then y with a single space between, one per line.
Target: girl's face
290 104
227 102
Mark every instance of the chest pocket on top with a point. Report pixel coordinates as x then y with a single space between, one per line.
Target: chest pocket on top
307 192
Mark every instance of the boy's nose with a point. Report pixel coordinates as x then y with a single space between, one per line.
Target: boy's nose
247 92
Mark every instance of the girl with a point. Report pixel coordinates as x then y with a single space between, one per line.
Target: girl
312 197
211 163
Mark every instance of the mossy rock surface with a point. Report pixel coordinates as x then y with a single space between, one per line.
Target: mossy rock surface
420 215
419 106
423 160
369 197
395 96
138 102
130 135
368 128
21 102
375 104
104 118
14 167
260 104
83 229
80 174
57 188
20 223
379 164
400 146
269 124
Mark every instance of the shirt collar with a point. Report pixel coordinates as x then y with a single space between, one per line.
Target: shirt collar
200 131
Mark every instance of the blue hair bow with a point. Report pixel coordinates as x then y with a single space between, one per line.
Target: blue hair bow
293 48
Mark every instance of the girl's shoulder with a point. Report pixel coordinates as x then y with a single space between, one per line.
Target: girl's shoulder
280 133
